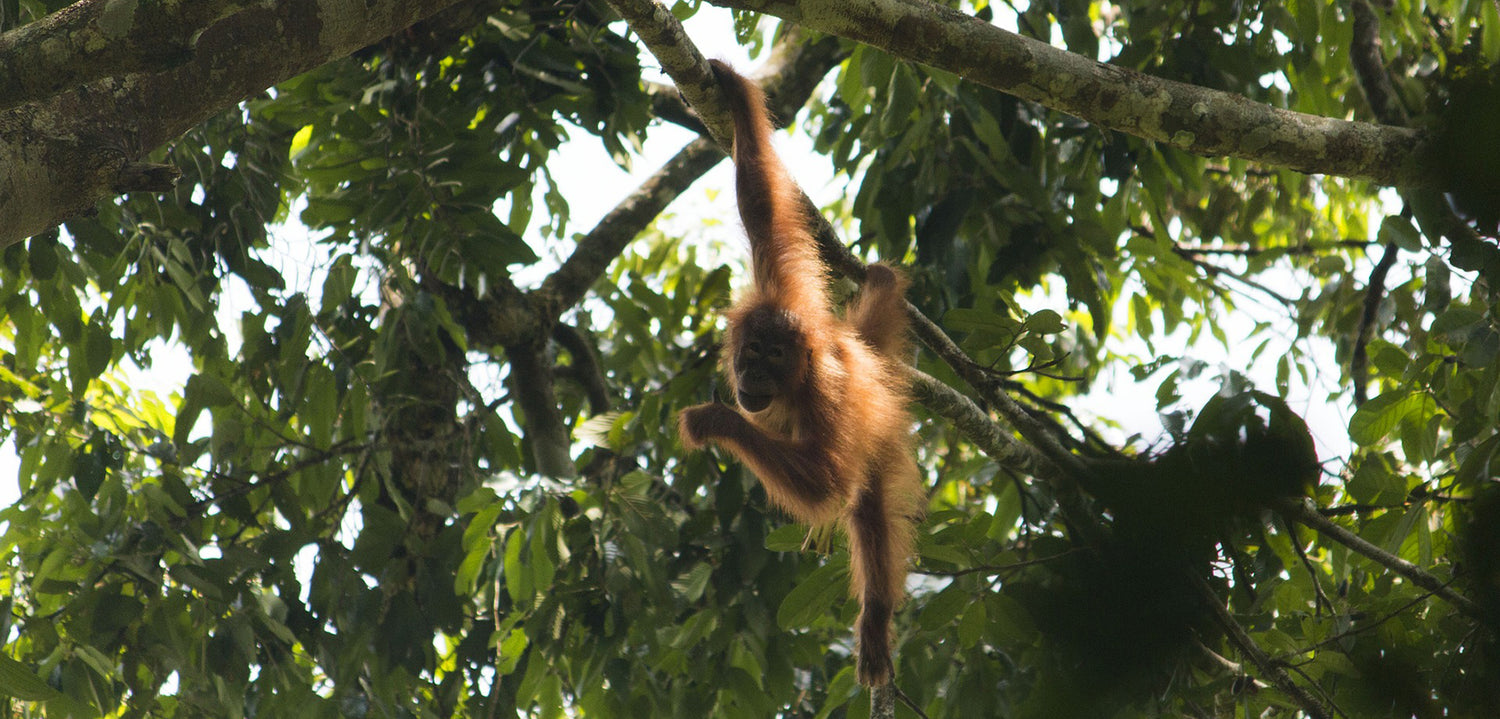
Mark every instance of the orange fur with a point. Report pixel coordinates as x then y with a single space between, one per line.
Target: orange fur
833 440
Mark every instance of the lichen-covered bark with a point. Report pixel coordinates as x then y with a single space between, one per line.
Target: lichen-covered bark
1191 118
61 154
91 39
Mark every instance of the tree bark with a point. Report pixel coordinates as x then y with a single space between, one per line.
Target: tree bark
61 154
94 39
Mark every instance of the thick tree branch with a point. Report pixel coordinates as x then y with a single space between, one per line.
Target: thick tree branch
665 37
93 39
1369 67
585 369
976 425
503 317
61 155
533 386
597 249
667 104
1194 119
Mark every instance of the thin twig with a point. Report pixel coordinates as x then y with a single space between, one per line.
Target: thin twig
997 568
1320 598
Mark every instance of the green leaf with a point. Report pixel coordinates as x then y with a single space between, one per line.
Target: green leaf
692 631
813 597
1478 462
543 570
467 575
477 535
88 474
1403 528
1045 322
98 348
338 286
41 255
933 549
942 609
550 699
321 408
300 142
787 538
1373 483
1381 416
517 583
210 390
901 99
1457 321
19 682
512 648
1399 230
971 320
692 585
1009 622
971 626
840 691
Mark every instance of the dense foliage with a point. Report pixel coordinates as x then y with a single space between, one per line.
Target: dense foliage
394 479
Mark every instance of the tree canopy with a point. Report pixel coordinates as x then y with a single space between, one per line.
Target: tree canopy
430 468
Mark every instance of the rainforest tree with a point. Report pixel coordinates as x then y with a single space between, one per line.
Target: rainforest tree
419 458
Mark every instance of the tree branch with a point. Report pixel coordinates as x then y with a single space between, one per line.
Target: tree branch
1068 472
1369 67
597 249
532 384
1187 251
585 369
61 155
1187 117
793 71
1303 513
976 425
1359 359
667 104
1268 666
665 37
93 39
883 702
